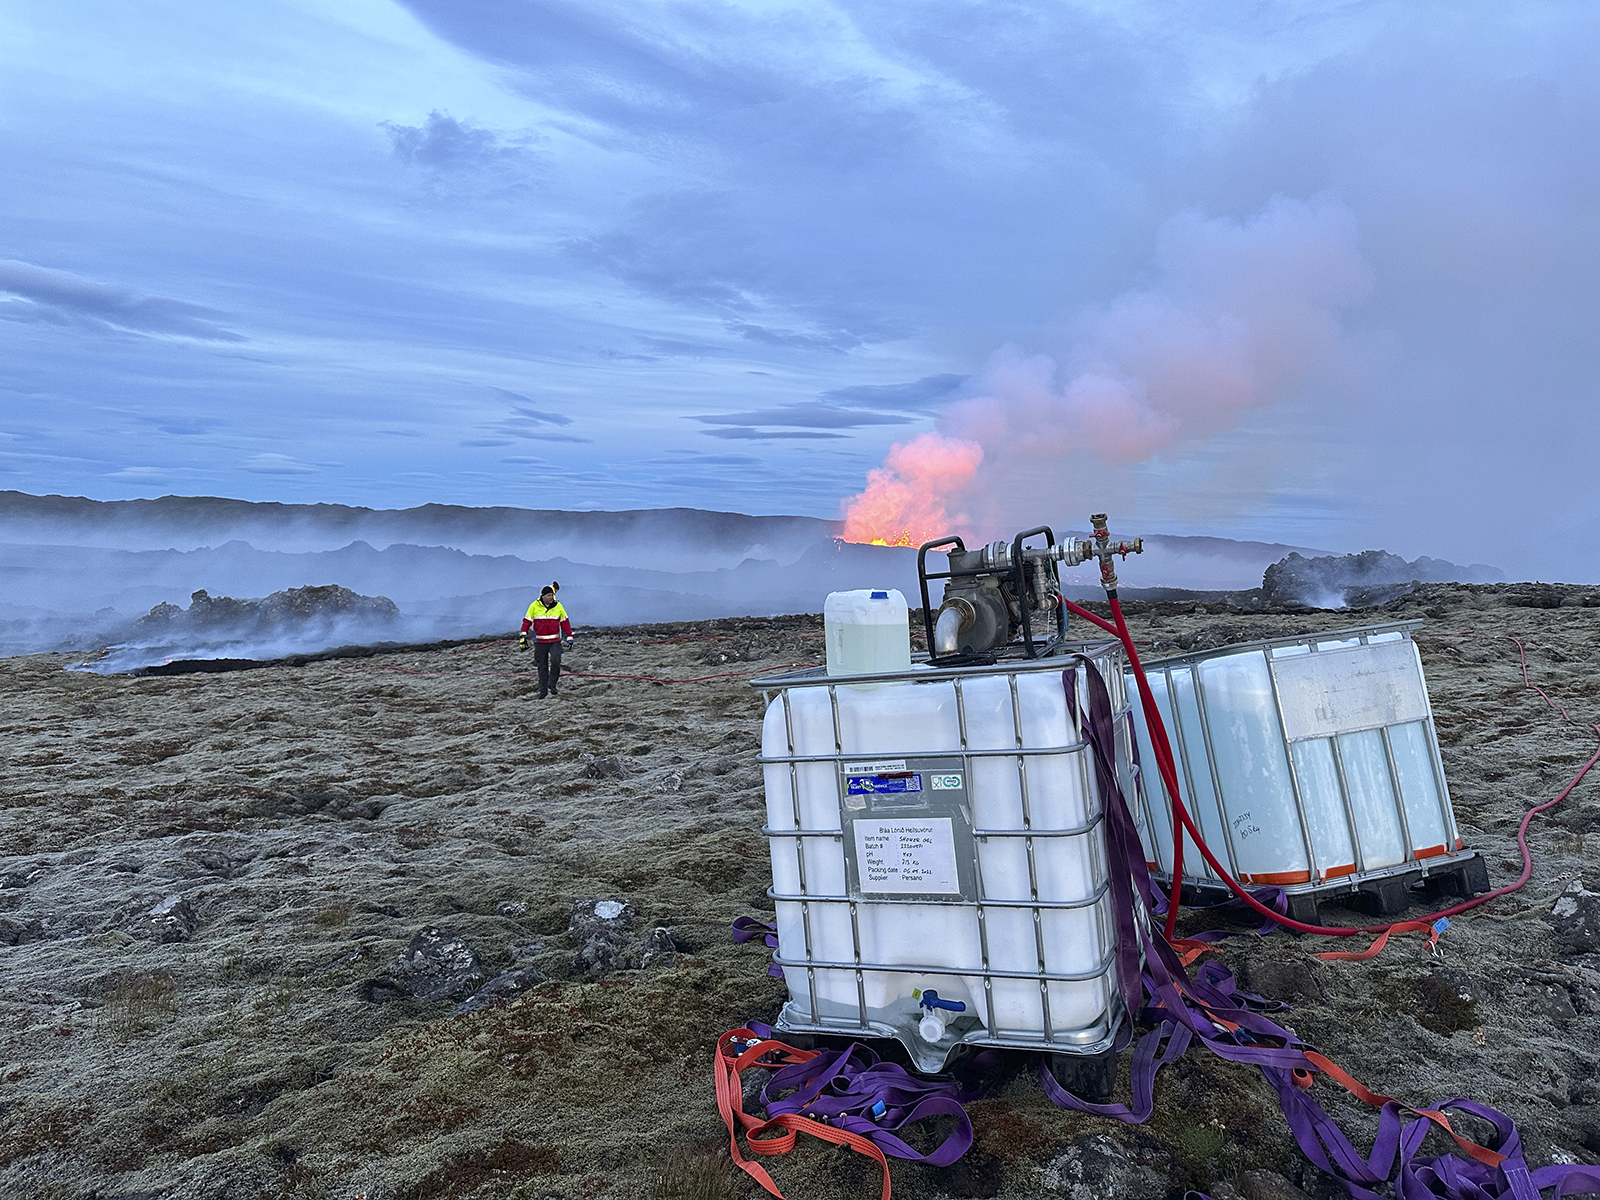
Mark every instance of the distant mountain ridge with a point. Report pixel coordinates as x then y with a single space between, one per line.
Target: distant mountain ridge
186 522
72 569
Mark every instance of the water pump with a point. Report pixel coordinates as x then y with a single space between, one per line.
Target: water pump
993 594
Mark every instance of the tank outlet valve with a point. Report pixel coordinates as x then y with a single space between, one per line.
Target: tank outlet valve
940 1012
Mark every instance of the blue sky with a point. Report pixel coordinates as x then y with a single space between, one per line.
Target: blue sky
725 255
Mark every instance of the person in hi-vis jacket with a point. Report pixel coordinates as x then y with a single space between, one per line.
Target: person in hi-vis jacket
550 625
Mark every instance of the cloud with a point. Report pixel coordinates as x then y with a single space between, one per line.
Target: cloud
795 339
920 395
141 474
277 464
757 435
183 426
61 297
442 143
528 410
805 415
528 420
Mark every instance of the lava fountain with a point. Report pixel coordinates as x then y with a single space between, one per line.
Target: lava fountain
904 502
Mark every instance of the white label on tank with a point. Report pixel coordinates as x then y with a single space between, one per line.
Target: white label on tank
945 783
907 857
887 766
1339 691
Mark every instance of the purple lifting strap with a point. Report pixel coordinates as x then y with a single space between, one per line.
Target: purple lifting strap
748 929
1162 992
853 1090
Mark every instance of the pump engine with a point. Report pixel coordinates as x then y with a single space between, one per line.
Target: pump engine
997 593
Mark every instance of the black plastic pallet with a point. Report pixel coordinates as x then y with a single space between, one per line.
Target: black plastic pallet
1381 895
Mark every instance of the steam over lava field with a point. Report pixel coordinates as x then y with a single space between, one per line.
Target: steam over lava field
206 880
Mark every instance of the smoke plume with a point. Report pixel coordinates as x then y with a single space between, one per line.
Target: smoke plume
1244 316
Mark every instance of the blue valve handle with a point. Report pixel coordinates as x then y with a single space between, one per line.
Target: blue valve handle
931 1000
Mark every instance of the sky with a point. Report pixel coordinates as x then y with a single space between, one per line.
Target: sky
1318 272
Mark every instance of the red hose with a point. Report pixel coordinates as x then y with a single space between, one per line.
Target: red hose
1163 751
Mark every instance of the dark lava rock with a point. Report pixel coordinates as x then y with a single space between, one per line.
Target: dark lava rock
603 766
1576 918
169 920
436 965
975 1174
600 929
1535 595
660 948
1097 1168
290 607
1268 1185
214 862
14 932
1359 580
1282 979
1548 999
501 988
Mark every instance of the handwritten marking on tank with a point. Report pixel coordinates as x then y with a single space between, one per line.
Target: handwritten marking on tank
1244 826
907 857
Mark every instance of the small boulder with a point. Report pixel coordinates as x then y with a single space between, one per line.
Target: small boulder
511 908
603 766
501 988
1576 918
1098 1168
660 948
170 920
437 964
14 932
600 930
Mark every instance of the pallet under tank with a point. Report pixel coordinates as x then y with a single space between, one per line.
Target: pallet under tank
939 831
1311 763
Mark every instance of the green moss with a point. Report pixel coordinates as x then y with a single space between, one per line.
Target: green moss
698 1176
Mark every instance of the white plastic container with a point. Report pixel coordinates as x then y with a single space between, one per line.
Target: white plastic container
942 831
1304 760
866 632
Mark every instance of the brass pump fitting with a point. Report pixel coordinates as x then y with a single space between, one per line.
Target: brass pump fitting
1105 549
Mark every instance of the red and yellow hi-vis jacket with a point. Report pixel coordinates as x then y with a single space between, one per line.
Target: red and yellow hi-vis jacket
549 624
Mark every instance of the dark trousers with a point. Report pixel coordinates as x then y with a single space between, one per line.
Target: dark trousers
547 657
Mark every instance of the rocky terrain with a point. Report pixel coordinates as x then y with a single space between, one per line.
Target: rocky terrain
391 928
1360 580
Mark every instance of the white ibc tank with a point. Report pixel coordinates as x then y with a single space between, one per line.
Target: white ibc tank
942 832
866 632
1304 760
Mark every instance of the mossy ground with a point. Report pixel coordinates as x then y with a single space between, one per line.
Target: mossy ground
316 816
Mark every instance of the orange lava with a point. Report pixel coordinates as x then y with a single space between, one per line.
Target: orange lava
905 500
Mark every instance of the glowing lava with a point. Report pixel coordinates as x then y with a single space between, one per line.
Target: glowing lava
904 501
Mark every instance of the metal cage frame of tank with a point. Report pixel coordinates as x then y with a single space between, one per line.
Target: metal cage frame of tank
1094 1040
1456 872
